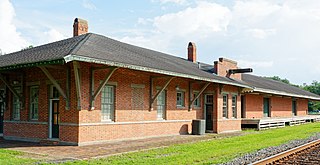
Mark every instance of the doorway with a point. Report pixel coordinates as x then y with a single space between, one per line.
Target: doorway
266 107
209 111
54 113
2 108
294 107
161 105
243 107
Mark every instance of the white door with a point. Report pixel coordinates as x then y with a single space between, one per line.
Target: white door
161 105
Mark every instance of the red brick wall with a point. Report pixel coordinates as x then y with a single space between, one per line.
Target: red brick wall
253 106
227 124
302 107
116 131
28 128
279 106
25 130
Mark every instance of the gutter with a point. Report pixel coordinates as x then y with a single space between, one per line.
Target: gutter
73 57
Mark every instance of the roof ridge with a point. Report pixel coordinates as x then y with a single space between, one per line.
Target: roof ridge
80 43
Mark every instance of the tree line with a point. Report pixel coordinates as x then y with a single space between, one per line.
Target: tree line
314 87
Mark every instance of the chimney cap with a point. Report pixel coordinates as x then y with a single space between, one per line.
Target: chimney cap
79 20
192 44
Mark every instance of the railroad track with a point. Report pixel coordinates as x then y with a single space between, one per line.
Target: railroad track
305 154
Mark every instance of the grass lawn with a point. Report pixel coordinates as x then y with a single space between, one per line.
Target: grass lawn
204 152
212 151
14 157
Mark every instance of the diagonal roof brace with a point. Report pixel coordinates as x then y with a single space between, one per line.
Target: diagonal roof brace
98 91
15 93
153 98
198 95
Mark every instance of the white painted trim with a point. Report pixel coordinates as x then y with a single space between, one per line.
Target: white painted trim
284 93
73 57
50 117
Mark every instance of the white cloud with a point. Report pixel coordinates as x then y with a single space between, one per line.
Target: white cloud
10 38
180 2
52 35
201 20
271 33
255 64
261 33
88 5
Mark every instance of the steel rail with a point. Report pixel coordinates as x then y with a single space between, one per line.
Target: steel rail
272 159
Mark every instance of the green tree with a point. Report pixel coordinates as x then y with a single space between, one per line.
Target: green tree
314 87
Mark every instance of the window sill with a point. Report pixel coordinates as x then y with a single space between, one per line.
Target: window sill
181 107
107 121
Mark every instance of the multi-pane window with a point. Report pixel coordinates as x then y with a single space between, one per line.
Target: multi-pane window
225 106
180 99
16 105
161 105
107 103
234 106
34 99
197 101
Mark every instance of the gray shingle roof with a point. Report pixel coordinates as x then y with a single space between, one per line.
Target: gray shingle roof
262 84
99 47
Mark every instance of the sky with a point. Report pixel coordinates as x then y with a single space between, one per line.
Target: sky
274 37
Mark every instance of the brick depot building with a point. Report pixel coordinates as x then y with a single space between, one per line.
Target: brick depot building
90 89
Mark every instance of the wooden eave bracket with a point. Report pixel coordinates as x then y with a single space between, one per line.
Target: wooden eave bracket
191 102
15 93
105 81
153 98
55 84
76 67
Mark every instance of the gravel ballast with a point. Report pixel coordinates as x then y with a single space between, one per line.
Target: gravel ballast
267 152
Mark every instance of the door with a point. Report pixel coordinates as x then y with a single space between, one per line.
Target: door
161 105
266 107
294 107
209 112
55 118
2 106
243 107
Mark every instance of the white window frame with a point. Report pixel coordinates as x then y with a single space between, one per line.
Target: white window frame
161 105
181 102
197 102
34 104
225 105
234 106
16 105
108 106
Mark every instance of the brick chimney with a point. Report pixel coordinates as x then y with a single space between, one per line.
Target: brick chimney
80 27
192 52
222 66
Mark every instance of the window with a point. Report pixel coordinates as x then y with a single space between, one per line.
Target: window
197 101
225 106
34 99
107 103
234 106
180 99
16 105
